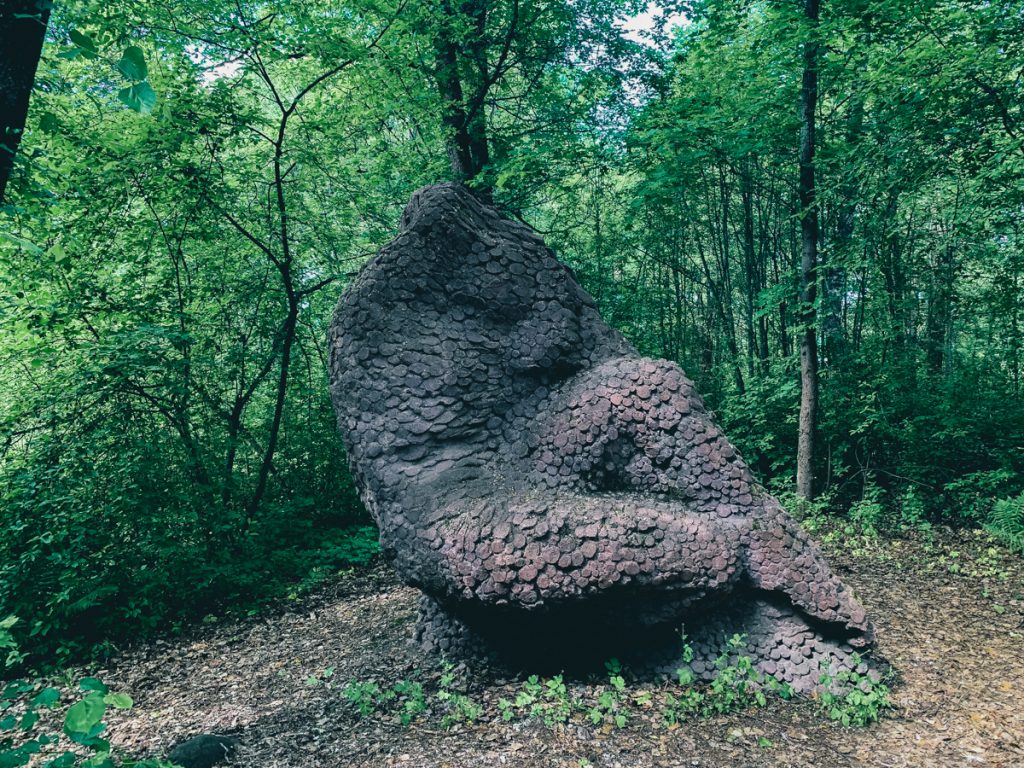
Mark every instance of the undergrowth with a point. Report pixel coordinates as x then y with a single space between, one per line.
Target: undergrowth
852 699
33 733
162 592
1006 522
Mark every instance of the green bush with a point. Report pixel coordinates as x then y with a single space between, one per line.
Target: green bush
91 554
1006 522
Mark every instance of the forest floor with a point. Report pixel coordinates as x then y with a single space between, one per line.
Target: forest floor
948 609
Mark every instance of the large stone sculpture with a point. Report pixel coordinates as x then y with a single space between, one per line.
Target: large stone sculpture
555 495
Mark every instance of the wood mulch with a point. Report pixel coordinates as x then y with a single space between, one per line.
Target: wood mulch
950 624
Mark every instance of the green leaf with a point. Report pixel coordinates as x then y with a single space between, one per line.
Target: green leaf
133 64
101 760
67 760
46 698
21 242
48 123
85 44
140 97
119 700
84 716
93 684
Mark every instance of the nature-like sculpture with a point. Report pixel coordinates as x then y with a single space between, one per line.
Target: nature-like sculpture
555 495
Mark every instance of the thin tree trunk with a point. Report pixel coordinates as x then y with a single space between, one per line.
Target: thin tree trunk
750 271
284 266
939 309
835 269
808 259
22 30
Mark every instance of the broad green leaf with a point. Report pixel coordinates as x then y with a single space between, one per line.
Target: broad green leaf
84 716
21 242
92 684
48 123
133 63
100 760
84 43
46 698
140 97
67 760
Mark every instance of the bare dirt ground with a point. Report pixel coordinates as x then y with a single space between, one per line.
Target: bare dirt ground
948 616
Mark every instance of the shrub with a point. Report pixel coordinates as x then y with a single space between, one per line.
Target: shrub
1006 522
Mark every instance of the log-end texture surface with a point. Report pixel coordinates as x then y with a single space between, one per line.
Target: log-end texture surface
553 493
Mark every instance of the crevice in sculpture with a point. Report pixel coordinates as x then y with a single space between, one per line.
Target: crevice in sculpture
553 493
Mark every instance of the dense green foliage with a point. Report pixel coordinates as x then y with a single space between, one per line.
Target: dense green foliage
199 180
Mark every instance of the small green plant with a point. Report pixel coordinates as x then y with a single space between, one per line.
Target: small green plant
411 698
913 516
14 655
367 697
736 684
23 735
678 708
868 514
852 698
558 704
406 698
457 706
314 680
611 704
545 700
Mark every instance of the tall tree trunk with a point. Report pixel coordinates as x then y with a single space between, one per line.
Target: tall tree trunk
463 117
939 310
22 29
750 268
808 259
834 330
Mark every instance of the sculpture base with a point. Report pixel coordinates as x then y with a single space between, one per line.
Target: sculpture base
577 640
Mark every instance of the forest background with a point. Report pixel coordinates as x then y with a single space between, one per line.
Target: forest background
198 181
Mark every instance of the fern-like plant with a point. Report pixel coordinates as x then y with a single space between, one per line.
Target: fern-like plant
1006 522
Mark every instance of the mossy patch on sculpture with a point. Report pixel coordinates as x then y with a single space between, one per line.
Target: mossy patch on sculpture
525 463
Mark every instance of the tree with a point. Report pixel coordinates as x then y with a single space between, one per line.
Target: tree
808 257
22 31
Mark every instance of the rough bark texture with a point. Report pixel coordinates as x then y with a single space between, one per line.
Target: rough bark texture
22 29
808 261
554 494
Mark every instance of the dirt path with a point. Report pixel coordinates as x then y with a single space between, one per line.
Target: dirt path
956 639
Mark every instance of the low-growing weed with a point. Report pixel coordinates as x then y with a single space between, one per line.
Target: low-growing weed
853 698
612 702
546 700
367 697
26 738
406 699
457 707
735 684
